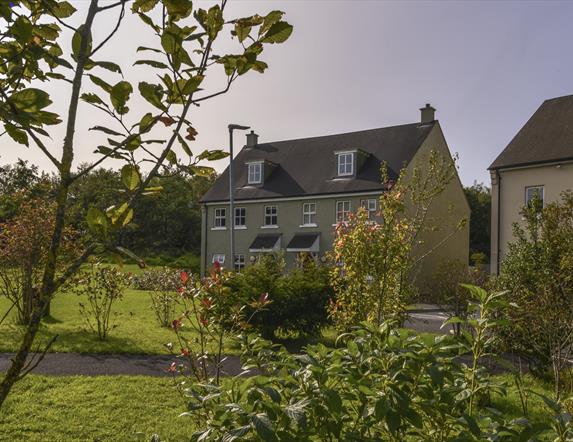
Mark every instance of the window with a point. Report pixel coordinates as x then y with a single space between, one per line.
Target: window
220 218
255 175
345 164
219 257
240 217
309 214
239 262
342 211
370 205
533 192
271 218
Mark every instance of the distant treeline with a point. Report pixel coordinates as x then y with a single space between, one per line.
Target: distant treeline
165 224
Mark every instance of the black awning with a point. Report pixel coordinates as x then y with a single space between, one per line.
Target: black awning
266 242
304 242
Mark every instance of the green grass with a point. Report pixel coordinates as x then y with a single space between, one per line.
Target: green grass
103 408
137 329
115 408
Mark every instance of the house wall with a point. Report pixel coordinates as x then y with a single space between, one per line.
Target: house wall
289 223
508 192
440 239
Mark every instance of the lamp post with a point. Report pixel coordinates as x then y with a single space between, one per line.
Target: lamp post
232 127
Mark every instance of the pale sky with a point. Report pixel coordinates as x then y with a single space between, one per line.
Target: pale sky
353 65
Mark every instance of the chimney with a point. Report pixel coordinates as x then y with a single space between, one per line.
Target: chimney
427 114
252 139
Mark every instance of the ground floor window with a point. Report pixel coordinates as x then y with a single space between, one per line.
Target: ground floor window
219 257
534 192
239 262
371 206
342 211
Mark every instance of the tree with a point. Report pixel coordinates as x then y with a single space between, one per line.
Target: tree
376 262
479 199
31 42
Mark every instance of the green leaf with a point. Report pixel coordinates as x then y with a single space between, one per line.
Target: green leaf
109 66
278 33
152 63
264 427
22 29
203 171
105 130
146 123
99 82
133 142
144 48
91 98
153 93
270 19
77 41
393 420
30 100
242 31
148 21
62 10
130 177
171 157
97 221
143 5
16 134
119 95
212 155
178 9
184 145
236 433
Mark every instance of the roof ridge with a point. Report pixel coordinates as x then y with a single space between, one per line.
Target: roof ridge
558 98
343 133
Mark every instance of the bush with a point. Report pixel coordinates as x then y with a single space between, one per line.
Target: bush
157 279
537 271
298 300
102 286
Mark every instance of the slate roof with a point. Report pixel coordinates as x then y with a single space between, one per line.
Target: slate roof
545 138
307 166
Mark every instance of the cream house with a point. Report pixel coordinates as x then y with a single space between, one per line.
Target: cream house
538 161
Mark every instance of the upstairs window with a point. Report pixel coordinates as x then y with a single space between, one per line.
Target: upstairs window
309 214
371 206
255 173
220 218
342 211
346 164
534 192
240 217
271 217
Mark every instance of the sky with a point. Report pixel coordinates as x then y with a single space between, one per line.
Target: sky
354 65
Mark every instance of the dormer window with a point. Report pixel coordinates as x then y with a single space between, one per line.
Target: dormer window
345 164
255 173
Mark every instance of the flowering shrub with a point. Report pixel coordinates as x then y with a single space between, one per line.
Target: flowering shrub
157 279
102 286
210 316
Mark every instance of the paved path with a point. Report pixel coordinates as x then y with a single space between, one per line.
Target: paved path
63 364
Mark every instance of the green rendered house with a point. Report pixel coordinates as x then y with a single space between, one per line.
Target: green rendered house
289 195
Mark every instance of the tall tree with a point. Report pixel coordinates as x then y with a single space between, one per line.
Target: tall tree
479 199
31 52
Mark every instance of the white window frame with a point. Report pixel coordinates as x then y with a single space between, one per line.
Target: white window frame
371 205
345 163
309 214
271 215
528 199
220 218
242 225
218 257
239 262
342 213
255 173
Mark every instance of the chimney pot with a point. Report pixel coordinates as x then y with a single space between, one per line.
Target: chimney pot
252 139
427 114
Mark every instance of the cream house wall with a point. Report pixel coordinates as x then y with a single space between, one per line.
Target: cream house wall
508 198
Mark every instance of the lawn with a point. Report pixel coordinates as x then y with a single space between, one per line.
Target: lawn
105 408
137 329
116 408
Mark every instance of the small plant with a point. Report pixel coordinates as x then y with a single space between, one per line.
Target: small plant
101 287
161 284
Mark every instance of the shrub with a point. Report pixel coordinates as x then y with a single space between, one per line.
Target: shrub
379 384
102 286
299 299
538 273
159 279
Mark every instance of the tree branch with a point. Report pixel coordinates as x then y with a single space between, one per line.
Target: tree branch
119 19
34 363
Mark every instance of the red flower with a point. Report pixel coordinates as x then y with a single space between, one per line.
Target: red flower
217 266
264 298
185 351
172 368
206 302
204 321
176 324
184 277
